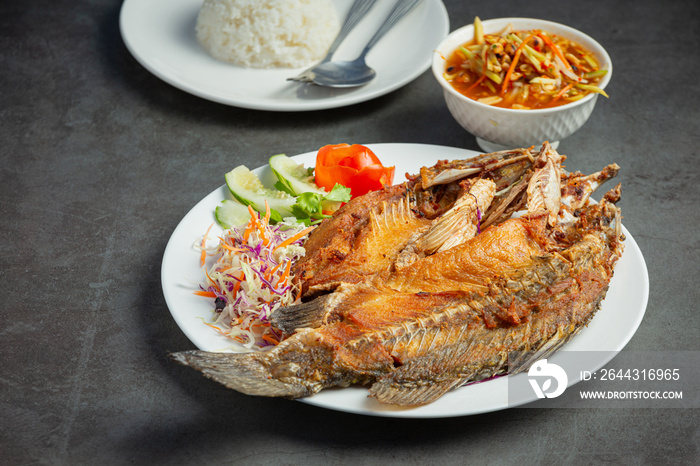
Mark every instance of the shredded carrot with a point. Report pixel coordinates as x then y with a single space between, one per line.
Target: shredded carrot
237 320
270 339
225 245
285 276
236 287
292 239
272 271
477 82
261 230
563 91
252 223
206 294
513 64
247 232
267 213
203 256
256 224
214 327
230 248
213 283
265 239
555 49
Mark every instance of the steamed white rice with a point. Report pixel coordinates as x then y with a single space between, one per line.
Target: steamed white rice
267 33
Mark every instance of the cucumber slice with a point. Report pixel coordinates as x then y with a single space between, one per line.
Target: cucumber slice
232 214
294 175
246 188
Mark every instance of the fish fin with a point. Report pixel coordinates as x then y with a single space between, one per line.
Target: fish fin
577 189
544 188
309 314
507 202
461 222
522 360
244 372
411 395
390 218
448 175
447 172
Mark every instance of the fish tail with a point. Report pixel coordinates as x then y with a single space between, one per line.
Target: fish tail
245 372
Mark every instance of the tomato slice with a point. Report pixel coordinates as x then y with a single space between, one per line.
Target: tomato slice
354 166
355 156
327 177
372 178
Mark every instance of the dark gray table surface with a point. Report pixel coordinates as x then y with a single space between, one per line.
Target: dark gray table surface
100 160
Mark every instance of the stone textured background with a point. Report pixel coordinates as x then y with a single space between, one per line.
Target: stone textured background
99 161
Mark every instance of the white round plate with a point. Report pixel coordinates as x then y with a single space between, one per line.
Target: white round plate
610 330
160 34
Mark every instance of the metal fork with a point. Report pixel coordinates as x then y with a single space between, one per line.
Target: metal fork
353 73
357 11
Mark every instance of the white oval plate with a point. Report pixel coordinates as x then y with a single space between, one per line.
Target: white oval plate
160 34
610 330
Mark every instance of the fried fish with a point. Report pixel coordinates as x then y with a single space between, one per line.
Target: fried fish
406 290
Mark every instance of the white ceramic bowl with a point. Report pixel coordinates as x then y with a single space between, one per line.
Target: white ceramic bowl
498 128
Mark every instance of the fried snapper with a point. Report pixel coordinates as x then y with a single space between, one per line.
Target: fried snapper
435 283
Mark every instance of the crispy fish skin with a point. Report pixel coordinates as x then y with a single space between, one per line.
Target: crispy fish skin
458 225
496 251
471 266
365 235
522 287
567 296
361 239
414 347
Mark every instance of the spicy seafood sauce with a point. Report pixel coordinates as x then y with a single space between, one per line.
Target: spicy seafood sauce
523 70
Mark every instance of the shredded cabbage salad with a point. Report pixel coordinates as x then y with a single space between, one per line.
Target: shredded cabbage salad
250 277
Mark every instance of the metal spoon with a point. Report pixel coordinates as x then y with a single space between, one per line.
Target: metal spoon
357 11
355 72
